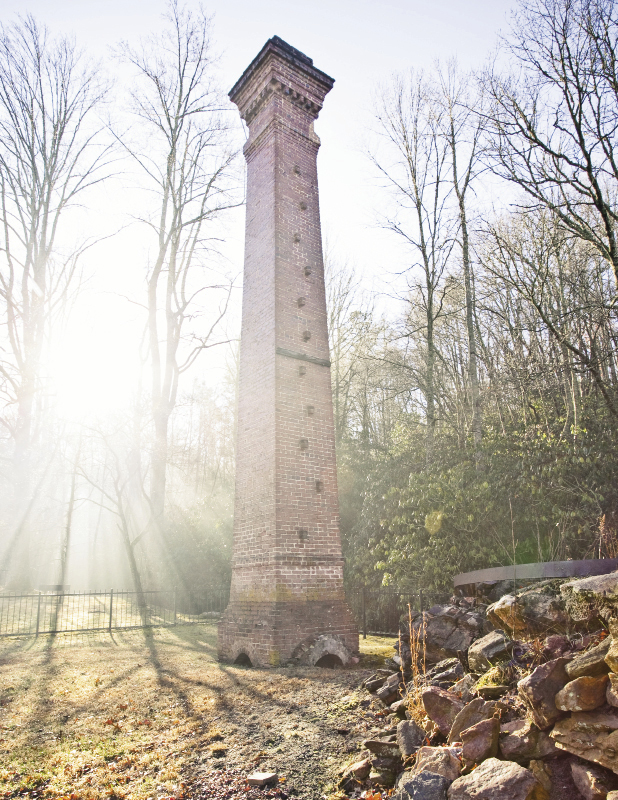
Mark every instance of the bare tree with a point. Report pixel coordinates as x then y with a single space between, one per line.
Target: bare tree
562 279
49 156
186 159
417 167
352 332
555 125
113 471
464 132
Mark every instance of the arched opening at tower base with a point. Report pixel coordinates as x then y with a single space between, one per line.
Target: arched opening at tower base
329 661
242 660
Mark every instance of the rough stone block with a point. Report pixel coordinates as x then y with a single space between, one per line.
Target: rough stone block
439 760
425 786
612 690
476 711
522 741
262 778
592 735
489 650
593 782
480 741
591 597
535 610
498 780
441 706
583 694
409 737
539 690
591 662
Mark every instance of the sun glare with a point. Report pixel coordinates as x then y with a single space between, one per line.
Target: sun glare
93 372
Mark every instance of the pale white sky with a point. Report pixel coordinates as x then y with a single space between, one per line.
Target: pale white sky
359 43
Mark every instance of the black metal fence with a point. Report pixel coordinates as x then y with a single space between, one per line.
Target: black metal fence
382 610
375 610
77 612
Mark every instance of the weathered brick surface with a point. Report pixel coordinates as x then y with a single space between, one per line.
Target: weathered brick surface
287 580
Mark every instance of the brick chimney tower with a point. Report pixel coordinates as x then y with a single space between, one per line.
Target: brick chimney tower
287 601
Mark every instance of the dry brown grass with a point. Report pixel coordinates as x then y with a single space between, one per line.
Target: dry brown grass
130 718
104 720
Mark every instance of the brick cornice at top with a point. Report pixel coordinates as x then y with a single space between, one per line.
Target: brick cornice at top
280 68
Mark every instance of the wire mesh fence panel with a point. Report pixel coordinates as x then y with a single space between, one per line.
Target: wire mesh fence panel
18 613
50 613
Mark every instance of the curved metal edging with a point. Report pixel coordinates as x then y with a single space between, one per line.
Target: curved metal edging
544 569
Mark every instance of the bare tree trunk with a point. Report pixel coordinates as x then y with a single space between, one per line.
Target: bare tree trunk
430 400
187 162
465 129
48 156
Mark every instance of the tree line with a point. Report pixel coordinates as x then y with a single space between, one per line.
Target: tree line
480 426
475 413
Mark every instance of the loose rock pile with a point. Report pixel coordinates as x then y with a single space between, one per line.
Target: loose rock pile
514 699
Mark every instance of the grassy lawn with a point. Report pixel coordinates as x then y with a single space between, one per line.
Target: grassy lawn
131 717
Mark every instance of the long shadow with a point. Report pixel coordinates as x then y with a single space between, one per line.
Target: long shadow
42 708
239 679
231 680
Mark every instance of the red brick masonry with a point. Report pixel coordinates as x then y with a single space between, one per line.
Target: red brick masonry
287 580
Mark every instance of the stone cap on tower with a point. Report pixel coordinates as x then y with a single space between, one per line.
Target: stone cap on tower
281 68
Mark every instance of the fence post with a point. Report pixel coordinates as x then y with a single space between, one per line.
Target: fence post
174 607
364 614
420 599
38 614
111 608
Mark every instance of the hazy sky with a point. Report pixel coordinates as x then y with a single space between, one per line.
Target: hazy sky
359 43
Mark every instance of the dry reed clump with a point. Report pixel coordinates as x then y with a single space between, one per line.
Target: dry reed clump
416 683
608 538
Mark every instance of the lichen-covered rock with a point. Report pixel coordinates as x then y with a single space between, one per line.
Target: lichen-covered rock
359 770
382 747
592 662
464 688
441 706
385 777
439 760
611 658
497 780
409 737
476 711
536 610
594 783
425 786
583 694
592 735
480 741
590 598
522 741
446 673
539 690
489 650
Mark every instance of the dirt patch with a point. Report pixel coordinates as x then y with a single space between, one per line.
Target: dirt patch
154 715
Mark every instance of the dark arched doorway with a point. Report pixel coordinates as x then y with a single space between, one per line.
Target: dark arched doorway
329 661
